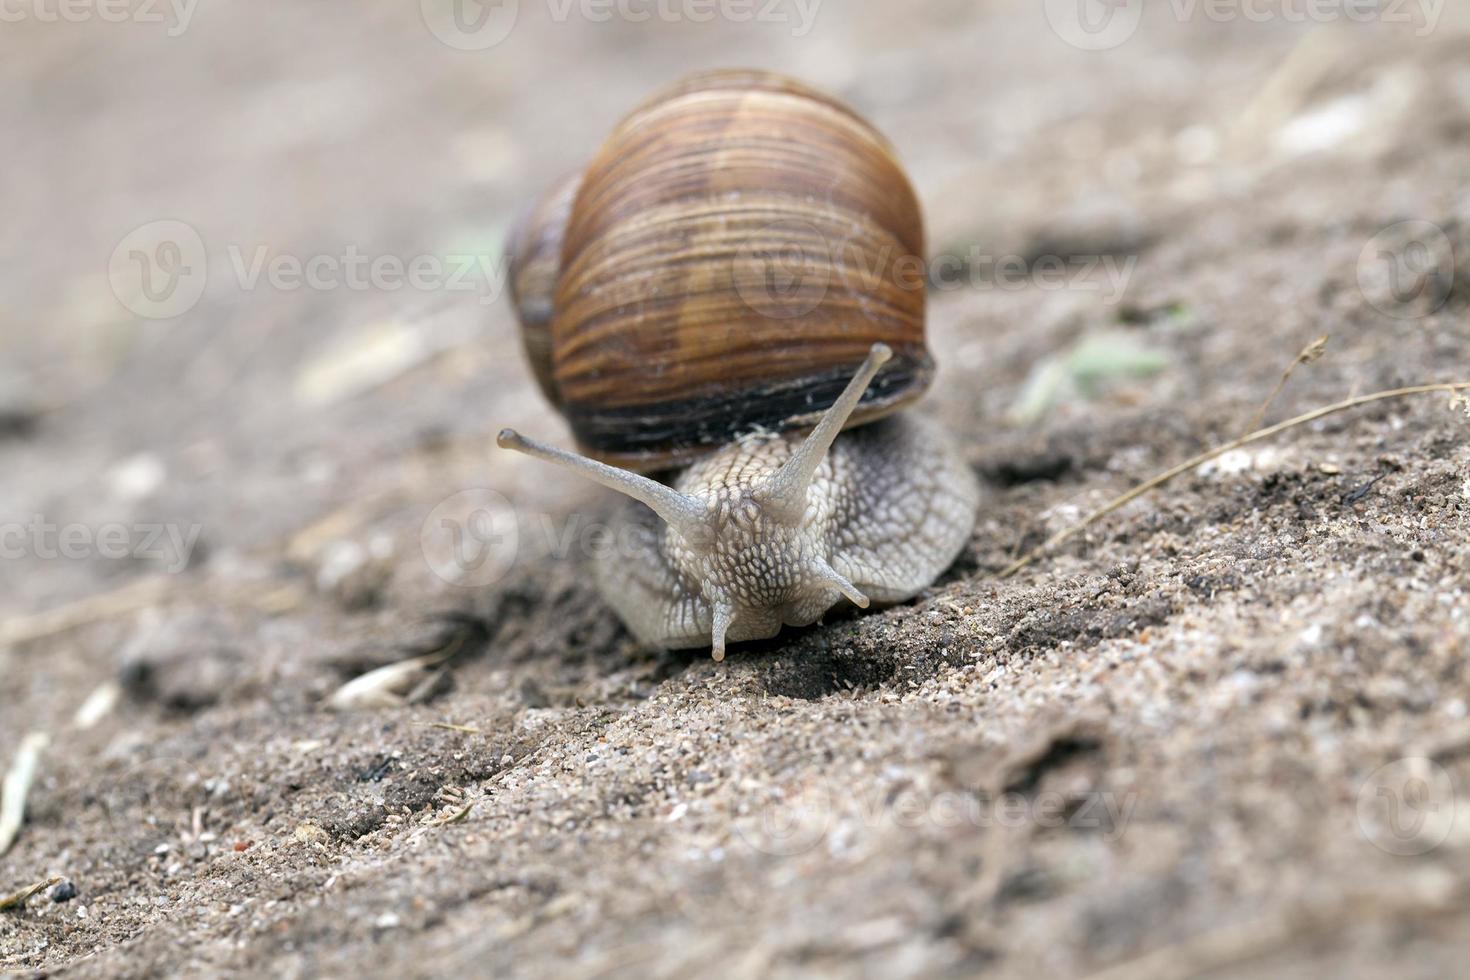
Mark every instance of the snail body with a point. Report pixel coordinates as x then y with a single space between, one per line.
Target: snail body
720 288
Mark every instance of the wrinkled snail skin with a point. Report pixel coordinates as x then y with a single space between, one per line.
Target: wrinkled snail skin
648 316
890 509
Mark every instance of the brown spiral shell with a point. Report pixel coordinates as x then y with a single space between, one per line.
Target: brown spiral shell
725 262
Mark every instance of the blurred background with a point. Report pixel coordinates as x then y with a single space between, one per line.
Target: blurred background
246 398
268 442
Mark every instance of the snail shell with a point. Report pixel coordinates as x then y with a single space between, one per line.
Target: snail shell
723 264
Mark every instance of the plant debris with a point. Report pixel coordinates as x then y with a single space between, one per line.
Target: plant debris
1310 353
1204 457
17 786
17 899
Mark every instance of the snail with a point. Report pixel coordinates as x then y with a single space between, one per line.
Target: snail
729 286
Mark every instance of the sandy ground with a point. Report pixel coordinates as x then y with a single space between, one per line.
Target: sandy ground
1223 731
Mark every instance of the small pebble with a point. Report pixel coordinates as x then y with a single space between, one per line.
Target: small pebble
63 891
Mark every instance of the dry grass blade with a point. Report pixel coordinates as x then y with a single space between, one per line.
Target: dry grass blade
138 596
16 899
446 726
1309 353
18 786
1204 457
130 598
454 817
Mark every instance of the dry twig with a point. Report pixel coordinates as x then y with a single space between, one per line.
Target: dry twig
1452 388
139 595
